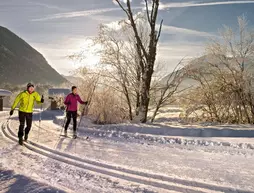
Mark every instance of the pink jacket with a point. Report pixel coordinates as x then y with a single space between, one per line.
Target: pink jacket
71 101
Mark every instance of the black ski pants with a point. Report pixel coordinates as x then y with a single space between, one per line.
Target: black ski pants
73 115
25 117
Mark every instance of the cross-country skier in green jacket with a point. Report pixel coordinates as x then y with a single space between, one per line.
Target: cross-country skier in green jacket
26 100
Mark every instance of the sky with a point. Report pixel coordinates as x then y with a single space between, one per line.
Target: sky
58 28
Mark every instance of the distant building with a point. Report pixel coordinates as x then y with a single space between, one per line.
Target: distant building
57 95
3 93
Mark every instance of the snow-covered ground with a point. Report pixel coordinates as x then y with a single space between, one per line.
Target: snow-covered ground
167 156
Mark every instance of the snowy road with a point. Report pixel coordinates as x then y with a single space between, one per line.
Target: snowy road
141 167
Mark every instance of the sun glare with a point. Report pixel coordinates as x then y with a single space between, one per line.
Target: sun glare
86 54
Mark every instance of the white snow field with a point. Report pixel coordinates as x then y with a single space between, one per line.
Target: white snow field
167 156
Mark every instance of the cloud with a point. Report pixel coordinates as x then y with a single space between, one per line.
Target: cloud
169 54
166 29
104 10
193 4
106 18
47 6
81 13
115 25
173 30
76 14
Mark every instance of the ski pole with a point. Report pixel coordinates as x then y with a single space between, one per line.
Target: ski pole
82 114
80 119
40 117
40 121
64 121
7 122
84 110
63 125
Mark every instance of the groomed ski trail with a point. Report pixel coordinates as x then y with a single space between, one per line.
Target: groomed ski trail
158 181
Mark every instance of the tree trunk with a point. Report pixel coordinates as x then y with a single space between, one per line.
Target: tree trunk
126 93
138 90
137 103
130 108
145 95
242 99
251 105
155 113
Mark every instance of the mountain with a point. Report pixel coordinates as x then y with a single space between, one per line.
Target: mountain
73 79
20 63
202 63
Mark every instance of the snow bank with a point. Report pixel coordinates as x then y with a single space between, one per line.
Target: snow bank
173 130
139 134
187 131
151 139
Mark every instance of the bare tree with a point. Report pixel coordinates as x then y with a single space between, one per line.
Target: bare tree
115 54
119 55
147 57
164 88
225 79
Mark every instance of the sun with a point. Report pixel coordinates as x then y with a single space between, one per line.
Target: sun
86 54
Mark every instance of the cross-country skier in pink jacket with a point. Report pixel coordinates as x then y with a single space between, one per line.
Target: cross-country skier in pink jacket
71 101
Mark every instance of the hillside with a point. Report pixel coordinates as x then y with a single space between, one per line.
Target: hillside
74 80
201 64
20 63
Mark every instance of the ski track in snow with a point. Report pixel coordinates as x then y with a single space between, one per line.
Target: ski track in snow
34 168
167 185
56 174
187 168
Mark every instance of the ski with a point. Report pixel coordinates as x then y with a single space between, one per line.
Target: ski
21 144
26 142
65 136
75 137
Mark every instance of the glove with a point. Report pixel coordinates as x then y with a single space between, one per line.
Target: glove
86 103
11 112
42 99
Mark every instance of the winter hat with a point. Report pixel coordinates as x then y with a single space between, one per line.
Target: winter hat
29 85
73 87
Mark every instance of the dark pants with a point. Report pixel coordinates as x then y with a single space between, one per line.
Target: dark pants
72 114
25 117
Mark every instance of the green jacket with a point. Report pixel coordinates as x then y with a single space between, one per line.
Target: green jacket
26 101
